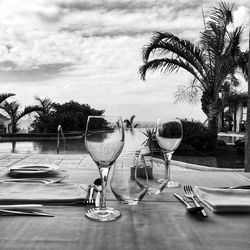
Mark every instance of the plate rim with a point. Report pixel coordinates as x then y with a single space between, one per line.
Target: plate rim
49 168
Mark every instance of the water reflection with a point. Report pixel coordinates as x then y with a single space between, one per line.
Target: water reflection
133 140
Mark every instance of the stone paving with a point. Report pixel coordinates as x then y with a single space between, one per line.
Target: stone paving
64 161
67 161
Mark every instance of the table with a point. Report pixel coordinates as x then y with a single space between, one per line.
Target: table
159 222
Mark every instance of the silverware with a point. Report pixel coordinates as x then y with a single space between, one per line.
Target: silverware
190 194
26 169
16 206
89 201
24 212
40 180
237 187
189 208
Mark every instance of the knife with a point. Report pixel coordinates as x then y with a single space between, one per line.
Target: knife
23 180
237 187
27 169
17 206
25 212
197 204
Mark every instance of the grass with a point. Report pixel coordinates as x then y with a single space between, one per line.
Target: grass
224 157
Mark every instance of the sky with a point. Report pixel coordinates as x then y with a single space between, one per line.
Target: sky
90 52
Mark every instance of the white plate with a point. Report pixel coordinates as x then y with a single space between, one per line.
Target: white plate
33 169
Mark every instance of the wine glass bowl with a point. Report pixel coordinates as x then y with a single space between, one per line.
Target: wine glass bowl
104 141
129 186
169 135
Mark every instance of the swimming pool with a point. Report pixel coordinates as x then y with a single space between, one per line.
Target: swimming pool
133 140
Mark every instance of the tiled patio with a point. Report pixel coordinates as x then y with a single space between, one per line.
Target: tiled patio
64 161
67 161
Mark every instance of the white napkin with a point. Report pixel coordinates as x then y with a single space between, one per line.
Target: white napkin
224 200
60 193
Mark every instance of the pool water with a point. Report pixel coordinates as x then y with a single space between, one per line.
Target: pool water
133 140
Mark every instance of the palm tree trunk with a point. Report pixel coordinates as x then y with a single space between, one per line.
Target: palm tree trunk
213 128
235 120
212 110
247 146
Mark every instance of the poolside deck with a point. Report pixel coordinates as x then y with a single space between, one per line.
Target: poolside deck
64 161
67 161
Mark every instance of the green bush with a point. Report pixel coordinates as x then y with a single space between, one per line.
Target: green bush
196 135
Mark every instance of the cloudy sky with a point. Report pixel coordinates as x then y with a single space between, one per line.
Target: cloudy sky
90 52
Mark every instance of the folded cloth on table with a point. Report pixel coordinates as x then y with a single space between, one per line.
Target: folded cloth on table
54 194
224 200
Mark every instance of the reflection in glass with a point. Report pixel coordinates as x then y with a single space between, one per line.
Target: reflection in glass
104 141
169 135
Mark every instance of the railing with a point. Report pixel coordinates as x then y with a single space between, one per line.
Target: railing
60 132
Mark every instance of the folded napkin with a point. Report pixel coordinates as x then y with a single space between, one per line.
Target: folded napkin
224 200
55 194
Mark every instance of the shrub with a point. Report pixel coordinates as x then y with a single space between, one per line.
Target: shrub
240 146
196 135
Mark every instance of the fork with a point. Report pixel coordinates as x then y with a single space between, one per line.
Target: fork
90 202
189 193
45 181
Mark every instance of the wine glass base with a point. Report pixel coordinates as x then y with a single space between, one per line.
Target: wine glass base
170 184
108 214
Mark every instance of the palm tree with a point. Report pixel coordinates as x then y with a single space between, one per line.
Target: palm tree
129 123
44 114
12 109
211 62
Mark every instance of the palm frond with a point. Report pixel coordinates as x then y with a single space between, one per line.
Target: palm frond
190 93
166 65
11 108
4 96
243 64
132 119
45 104
28 110
166 43
233 46
222 13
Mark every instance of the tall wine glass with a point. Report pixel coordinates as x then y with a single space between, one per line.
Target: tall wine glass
104 140
169 134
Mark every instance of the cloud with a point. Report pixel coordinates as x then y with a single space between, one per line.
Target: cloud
90 51
53 32
9 72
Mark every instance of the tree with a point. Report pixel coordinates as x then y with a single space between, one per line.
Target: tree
211 62
43 117
13 110
129 123
72 116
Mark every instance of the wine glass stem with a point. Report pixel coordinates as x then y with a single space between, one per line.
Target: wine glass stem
104 172
167 159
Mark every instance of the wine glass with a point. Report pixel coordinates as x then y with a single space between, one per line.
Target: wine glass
169 134
129 185
104 140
